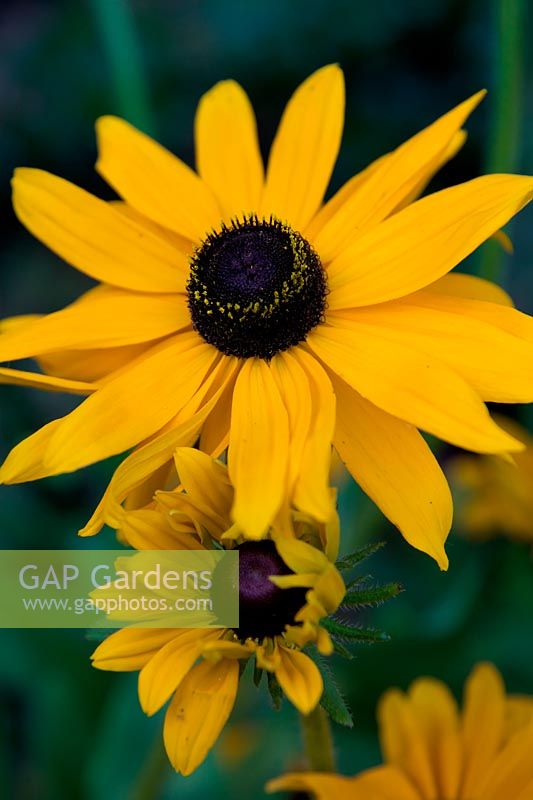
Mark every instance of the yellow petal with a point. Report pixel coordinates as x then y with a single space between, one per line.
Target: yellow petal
93 236
17 377
205 480
110 318
259 448
459 341
305 148
199 711
153 181
404 743
483 721
228 158
312 494
392 463
137 467
131 407
410 385
397 177
437 715
383 783
470 287
25 462
164 672
424 241
293 386
318 784
300 679
147 529
91 365
300 556
510 773
130 648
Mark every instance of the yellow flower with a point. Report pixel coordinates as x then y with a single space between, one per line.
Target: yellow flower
238 306
496 494
286 587
434 752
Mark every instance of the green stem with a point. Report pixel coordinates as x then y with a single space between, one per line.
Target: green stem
318 741
506 123
117 30
153 774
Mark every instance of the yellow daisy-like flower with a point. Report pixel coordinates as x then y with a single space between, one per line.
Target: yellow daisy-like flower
286 587
434 752
234 304
496 494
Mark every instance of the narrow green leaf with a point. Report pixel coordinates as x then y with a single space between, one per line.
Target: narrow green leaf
258 674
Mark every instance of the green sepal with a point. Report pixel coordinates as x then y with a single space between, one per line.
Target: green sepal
332 700
353 634
258 674
373 596
341 650
276 693
350 561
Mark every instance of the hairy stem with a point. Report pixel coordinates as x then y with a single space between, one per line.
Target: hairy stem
318 740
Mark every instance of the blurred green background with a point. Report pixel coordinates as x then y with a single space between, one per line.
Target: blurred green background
68 732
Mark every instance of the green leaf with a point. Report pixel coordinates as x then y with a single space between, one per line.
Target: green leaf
341 650
275 690
350 561
373 596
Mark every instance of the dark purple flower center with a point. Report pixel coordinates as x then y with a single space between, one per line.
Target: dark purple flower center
256 288
264 609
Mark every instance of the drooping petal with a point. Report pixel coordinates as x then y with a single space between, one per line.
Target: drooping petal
25 462
143 462
109 318
131 407
392 463
153 181
148 529
164 672
410 385
424 241
459 341
130 649
483 721
305 148
228 158
258 449
300 679
17 377
397 177
93 236
199 711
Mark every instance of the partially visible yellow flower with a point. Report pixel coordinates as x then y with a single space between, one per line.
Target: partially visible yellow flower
285 588
494 494
237 306
433 751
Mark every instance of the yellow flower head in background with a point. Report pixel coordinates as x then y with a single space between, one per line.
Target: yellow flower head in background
494 494
434 752
234 305
286 587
